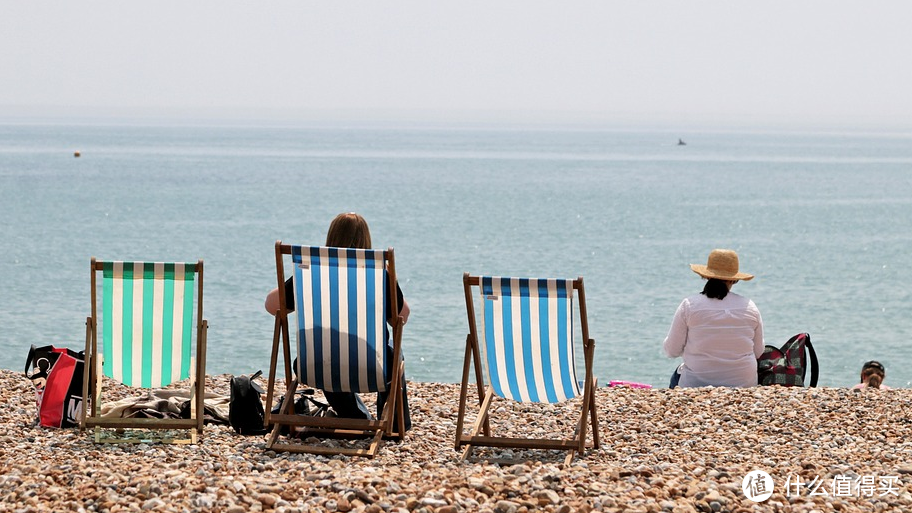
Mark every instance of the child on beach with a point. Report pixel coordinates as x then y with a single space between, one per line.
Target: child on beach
872 376
719 334
348 230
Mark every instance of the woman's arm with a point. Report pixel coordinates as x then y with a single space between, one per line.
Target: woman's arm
404 311
272 302
677 335
273 299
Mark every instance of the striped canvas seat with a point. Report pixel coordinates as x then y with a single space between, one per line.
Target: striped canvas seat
148 322
525 354
528 335
342 302
150 314
341 319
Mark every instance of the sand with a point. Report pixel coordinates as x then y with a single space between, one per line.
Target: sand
662 450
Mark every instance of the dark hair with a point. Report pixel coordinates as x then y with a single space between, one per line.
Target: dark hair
715 289
872 374
349 231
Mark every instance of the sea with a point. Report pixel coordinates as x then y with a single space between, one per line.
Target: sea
822 218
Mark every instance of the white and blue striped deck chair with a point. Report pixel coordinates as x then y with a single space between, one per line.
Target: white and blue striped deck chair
526 354
147 329
342 298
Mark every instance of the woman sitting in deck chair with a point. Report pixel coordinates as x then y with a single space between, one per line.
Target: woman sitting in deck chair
348 230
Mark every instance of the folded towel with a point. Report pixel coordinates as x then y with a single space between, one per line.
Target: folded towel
167 404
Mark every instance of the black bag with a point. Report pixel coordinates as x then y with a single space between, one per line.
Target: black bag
57 374
245 408
788 365
302 406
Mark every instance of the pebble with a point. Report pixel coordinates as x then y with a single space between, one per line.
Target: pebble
663 451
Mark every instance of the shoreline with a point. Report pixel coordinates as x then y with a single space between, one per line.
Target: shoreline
685 450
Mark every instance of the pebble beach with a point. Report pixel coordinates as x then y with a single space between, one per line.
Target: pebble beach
680 451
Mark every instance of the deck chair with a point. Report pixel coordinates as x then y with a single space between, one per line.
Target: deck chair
341 301
147 327
526 355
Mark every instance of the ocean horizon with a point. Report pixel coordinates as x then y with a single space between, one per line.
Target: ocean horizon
820 216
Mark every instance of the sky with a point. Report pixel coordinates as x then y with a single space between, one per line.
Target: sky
698 61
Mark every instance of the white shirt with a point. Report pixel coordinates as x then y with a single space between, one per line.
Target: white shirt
720 341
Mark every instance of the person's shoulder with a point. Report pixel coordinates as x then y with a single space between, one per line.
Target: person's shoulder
696 298
689 301
735 298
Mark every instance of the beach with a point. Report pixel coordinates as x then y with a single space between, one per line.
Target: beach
611 144
683 450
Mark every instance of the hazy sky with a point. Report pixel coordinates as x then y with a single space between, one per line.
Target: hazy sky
677 62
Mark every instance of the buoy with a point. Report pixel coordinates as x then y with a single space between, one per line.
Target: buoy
77 154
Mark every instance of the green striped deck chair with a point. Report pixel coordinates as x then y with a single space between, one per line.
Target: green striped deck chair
526 354
147 326
343 297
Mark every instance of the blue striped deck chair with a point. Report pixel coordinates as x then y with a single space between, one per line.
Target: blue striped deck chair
147 330
342 301
526 354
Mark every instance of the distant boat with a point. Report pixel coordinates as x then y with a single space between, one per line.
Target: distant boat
681 142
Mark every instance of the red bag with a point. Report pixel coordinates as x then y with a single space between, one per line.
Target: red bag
57 376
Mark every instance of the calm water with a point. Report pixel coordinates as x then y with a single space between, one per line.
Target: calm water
823 219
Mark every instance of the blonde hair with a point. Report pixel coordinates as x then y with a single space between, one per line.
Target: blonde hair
349 230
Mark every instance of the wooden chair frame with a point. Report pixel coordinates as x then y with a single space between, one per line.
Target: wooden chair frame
480 434
93 377
302 426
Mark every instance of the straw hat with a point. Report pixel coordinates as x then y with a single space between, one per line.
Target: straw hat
722 264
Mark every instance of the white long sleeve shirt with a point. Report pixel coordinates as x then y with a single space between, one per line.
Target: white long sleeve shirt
719 340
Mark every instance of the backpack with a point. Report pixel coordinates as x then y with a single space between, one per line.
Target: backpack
788 365
245 408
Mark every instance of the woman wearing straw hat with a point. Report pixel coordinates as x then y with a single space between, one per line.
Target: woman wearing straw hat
718 333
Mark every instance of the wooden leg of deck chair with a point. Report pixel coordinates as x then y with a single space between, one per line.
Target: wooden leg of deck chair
466 451
588 410
375 445
99 377
579 432
87 378
393 407
480 423
583 423
463 391
200 382
194 412
274 436
400 404
594 416
284 409
479 381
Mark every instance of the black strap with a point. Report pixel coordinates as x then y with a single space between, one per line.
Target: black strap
28 360
320 405
812 361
